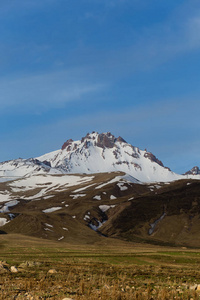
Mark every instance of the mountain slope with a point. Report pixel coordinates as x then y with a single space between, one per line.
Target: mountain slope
83 209
62 207
95 153
170 216
105 153
18 168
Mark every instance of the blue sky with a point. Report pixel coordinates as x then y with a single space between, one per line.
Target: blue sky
131 67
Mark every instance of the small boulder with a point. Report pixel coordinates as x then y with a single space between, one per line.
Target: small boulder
29 264
13 269
52 271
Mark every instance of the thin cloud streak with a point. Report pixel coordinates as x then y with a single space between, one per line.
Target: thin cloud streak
51 89
139 126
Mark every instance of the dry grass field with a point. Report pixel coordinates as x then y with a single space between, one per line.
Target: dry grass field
107 269
58 256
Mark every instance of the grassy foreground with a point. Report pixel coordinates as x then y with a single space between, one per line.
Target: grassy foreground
109 269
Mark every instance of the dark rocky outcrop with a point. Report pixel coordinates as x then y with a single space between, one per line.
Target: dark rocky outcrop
66 144
194 171
120 139
106 140
153 158
47 163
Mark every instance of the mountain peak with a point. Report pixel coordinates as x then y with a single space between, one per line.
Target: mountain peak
66 144
194 171
96 153
103 152
107 140
101 140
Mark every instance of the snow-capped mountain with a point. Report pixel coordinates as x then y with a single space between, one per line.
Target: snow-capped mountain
95 153
194 171
105 153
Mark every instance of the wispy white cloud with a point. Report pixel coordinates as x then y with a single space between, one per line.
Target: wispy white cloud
149 123
47 90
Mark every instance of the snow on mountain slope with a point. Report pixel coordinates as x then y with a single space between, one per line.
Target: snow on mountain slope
37 186
105 153
94 153
18 168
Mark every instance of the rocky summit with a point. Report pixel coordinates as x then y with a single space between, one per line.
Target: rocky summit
95 153
104 152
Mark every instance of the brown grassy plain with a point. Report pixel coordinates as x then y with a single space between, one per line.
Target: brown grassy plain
107 269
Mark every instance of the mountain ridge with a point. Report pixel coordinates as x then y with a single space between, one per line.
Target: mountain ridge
194 171
96 153
105 153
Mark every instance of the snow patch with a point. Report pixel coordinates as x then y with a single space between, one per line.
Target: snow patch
11 216
3 221
130 198
47 197
6 206
4 196
48 229
97 197
104 208
117 178
5 179
46 224
46 184
86 217
153 225
122 186
52 209
94 227
158 186
130 179
83 188
77 196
